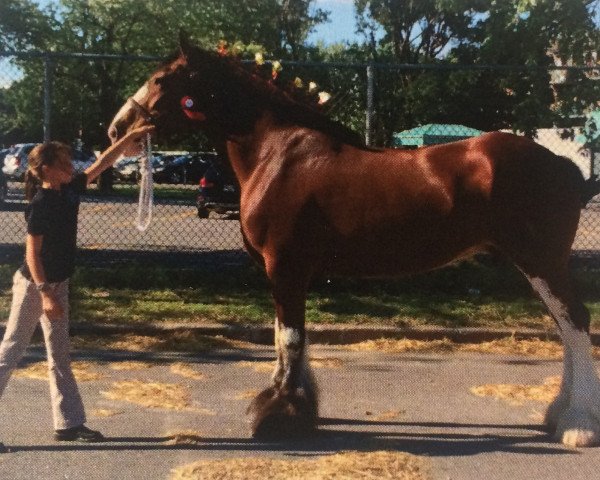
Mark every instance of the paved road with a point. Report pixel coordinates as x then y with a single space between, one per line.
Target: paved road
110 224
433 415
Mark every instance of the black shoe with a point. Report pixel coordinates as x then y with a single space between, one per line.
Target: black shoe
78 434
3 449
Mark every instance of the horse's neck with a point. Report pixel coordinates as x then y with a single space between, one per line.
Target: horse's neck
243 151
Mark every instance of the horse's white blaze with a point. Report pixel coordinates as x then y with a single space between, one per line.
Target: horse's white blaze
576 411
141 94
139 97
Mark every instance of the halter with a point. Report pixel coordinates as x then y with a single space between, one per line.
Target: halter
142 111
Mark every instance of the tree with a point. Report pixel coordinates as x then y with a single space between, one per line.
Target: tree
521 33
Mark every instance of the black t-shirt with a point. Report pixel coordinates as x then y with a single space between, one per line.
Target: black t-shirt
53 214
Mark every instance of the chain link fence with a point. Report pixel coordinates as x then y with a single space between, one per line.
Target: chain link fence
72 98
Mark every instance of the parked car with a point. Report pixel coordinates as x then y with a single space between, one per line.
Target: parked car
218 191
184 169
15 161
163 171
128 168
3 188
83 159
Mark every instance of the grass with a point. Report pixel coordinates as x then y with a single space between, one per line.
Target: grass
161 191
470 294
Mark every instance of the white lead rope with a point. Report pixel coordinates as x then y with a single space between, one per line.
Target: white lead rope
144 211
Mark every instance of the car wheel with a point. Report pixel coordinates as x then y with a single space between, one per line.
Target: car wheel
176 176
203 212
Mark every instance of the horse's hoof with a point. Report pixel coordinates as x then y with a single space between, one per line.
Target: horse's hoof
578 428
280 416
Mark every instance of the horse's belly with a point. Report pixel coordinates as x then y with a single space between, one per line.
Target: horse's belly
398 252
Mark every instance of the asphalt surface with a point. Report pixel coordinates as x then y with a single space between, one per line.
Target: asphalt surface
415 403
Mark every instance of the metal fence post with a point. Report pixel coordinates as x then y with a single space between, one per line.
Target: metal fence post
370 105
47 96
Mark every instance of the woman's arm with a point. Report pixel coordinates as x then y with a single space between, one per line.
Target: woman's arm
33 248
112 153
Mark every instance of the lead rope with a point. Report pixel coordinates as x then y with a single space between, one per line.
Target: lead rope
144 211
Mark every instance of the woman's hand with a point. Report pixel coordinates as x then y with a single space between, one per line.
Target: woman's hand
51 306
128 145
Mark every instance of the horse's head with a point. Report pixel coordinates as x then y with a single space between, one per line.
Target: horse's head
195 90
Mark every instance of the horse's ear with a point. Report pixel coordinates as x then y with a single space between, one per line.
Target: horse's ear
185 47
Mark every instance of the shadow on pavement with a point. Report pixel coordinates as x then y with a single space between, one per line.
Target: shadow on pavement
434 444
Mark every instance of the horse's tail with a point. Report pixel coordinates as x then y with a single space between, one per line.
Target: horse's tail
590 188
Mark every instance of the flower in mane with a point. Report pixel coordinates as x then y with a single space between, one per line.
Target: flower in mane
276 67
324 97
222 48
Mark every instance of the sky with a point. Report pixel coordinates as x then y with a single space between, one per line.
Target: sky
339 29
341 26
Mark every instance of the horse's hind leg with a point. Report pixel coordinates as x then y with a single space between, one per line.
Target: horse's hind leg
575 413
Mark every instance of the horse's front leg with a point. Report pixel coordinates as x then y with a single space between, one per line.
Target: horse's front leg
288 408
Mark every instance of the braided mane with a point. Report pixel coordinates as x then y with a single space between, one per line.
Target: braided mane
283 103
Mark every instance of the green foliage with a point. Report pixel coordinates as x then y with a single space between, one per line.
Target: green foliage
472 32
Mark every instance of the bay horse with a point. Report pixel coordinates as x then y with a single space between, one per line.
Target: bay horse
315 200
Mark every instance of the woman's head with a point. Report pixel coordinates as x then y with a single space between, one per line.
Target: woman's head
48 162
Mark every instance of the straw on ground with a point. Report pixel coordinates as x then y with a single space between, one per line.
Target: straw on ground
517 394
83 371
347 466
186 370
183 437
506 346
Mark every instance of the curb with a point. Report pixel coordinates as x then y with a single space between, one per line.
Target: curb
329 334
321 334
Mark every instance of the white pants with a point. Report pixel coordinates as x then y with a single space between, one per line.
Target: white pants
26 311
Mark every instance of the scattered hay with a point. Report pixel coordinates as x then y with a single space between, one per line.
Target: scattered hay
187 371
169 396
512 346
388 415
82 371
247 394
518 394
191 342
324 362
505 346
37 371
134 343
184 437
105 412
131 365
403 345
262 366
346 465
267 366
176 341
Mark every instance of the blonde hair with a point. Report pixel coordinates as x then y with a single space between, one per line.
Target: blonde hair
43 154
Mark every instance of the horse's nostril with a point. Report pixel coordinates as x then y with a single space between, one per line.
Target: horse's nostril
113 133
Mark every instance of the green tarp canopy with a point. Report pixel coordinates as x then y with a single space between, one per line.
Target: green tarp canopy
433 133
590 136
